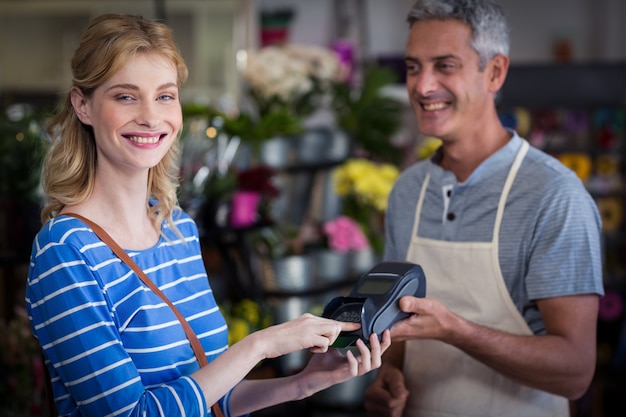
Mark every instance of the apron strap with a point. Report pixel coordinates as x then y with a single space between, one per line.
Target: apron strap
521 153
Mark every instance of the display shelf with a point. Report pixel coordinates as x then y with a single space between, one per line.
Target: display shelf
581 85
315 290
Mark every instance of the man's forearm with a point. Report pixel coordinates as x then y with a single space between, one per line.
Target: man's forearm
550 363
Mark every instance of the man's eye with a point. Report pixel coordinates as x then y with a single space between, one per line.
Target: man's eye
411 67
446 66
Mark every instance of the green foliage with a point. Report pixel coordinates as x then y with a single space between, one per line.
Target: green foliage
368 116
277 241
21 154
220 187
250 129
278 122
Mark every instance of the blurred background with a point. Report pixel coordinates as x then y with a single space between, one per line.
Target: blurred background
297 124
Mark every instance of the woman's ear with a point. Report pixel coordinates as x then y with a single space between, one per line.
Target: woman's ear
80 105
498 68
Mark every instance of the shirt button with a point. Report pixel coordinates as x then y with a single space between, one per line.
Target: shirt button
451 216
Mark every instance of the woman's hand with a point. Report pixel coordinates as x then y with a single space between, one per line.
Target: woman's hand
305 332
322 371
333 367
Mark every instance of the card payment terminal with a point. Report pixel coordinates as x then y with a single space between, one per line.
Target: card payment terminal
373 301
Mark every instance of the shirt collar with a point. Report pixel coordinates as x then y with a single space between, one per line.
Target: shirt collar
501 158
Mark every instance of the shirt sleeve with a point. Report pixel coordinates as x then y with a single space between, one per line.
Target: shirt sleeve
566 251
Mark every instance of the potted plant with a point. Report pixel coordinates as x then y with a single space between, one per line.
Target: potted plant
368 116
252 197
296 77
341 237
297 80
284 256
246 126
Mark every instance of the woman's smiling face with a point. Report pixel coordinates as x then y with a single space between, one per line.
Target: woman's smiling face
136 115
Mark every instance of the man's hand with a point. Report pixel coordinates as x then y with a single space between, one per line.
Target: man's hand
561 361
430 319
387 395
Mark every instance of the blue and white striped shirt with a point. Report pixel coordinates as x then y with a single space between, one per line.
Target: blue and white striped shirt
112 346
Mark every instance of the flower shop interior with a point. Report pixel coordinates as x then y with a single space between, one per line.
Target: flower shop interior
297 123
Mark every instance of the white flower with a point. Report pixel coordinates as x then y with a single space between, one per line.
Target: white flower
289 72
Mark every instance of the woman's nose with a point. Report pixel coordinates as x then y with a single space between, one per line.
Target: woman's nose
149 115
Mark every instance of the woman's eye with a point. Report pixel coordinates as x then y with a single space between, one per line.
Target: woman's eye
124 97
167 97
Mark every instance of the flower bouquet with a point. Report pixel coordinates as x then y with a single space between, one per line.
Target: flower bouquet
251 199
296 77
364 186
341 237
343 234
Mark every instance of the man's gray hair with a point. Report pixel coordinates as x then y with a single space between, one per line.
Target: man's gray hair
489 25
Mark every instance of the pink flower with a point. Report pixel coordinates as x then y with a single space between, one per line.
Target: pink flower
344 234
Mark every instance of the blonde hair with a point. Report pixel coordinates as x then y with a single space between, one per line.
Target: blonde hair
69 167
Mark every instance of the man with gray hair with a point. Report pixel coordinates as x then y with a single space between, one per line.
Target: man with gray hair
508 237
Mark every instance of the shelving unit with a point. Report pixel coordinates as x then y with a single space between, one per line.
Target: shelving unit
305 180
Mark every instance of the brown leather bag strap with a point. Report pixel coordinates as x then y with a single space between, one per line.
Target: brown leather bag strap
106 238
121 253
216 410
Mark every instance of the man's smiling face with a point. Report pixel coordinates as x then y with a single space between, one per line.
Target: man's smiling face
447 91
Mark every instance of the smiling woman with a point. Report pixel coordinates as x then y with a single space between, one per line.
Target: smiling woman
118 295
97 70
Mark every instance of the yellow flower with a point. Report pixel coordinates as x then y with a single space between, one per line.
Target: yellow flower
368 181
243 318
248 310
428 147
238 329
388 172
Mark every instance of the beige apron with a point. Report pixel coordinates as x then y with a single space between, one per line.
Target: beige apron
466 276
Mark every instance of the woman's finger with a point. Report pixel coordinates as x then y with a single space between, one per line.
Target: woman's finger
376 351
353 364
321 344
365 364
348 326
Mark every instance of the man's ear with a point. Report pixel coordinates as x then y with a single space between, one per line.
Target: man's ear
79 103
498 68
